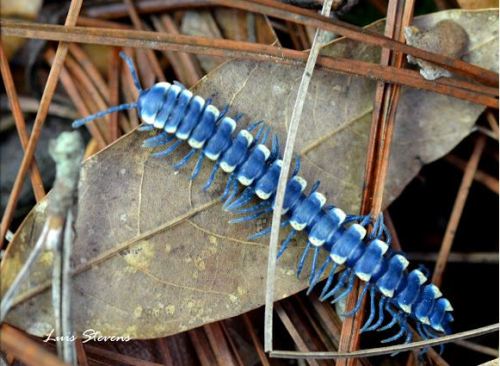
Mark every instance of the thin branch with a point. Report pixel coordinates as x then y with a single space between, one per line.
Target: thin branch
282 182
378 351
258 52
311 18
26 350
17 113
50 88
458 207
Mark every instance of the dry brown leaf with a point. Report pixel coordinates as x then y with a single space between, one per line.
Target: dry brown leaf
184 265
230 23
477 4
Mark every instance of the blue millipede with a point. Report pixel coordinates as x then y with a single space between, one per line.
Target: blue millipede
404 295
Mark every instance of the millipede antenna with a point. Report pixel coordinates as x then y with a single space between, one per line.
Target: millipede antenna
80 122
131 67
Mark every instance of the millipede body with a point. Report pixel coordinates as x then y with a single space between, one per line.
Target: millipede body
243 155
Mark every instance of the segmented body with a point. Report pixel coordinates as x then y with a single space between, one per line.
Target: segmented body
182 117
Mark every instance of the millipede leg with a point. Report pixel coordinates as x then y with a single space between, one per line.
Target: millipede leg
429 332
253 125
158 140
242 200
185 159
141 128
406 330
231 190
168 151
320 272
394 337
346 292
210 179
409 334
286 242
371 317
259 133
314 262
251 217
265 136
393 321
197 167
424 337
229 186
266 231
315 186
356 307
388 236
275 149
223 112
238 116
380 320
303 258
259 206
296 167
337 287
329 281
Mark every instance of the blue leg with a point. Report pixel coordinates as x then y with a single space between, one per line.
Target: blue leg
223 112
286 242
197 167
275 149
429 332
244 198
406 330
325 293
366 220
266 135
388 236
320 272
259 132
251 217
229 186
409 334
230 192
168 151
346 292
296 168
356 307
185 159
158 140
380 320
210 179
303 258
371 317
337 287
238 117
394 337
253 125
424 337
315 187
266 231
312 275
257 207
142 128
375 232
393 321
